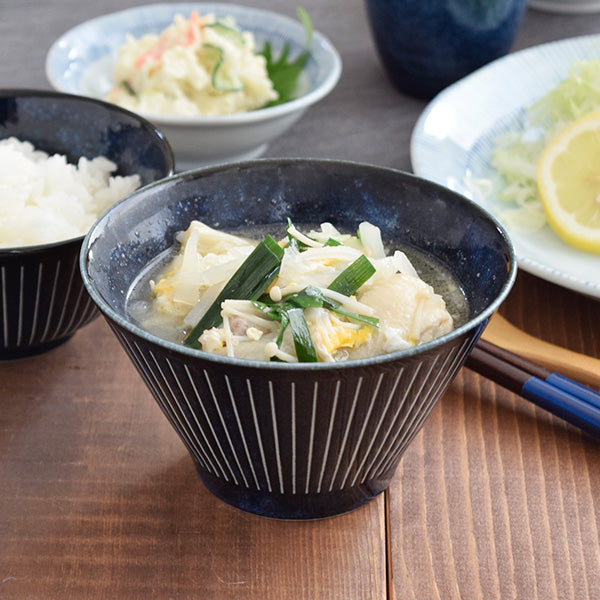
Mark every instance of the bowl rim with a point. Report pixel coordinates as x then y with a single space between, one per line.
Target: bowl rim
257 115
194 354
57 95
39 248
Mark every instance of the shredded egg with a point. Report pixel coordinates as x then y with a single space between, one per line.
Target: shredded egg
330 333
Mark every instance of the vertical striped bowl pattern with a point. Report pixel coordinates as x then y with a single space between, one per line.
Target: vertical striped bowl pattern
42 298
297 441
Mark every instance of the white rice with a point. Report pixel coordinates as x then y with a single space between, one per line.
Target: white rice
45 199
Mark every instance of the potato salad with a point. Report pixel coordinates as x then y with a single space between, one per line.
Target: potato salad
197 66
322 296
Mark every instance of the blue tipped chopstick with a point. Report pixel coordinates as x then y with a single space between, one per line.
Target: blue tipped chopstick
563 397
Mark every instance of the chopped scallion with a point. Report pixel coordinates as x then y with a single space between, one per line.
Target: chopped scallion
248 283
372 321
353 276
311 297
305 348
285 320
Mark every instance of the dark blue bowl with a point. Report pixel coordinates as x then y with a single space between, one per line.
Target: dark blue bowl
425 45
42 298
298 441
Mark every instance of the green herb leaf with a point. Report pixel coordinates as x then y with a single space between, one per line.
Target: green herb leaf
283 72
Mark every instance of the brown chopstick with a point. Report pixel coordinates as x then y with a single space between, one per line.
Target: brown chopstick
568 399
496 368
514 359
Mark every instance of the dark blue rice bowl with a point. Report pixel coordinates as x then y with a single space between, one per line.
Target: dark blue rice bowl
42 298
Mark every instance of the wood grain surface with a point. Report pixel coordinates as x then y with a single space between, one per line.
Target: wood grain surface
497 498
99 499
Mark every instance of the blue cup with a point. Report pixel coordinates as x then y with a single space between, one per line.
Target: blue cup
425 45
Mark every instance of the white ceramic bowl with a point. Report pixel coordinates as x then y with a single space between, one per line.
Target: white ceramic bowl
81 62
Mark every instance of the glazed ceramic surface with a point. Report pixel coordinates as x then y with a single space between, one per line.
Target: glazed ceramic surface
298 441
425 46
81 61
453 140
42 298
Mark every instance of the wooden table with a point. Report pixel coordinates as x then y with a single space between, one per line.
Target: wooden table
99 499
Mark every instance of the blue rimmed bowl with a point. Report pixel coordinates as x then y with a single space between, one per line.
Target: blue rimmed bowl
42 298
299 441
81 61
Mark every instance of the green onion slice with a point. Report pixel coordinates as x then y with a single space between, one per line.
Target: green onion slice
353 276
275 312
285 321
372 321
305 348
287 313
249 282
311 297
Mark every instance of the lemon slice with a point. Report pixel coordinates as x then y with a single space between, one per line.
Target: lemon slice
568 177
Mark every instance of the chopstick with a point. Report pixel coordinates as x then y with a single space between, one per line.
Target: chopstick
563 397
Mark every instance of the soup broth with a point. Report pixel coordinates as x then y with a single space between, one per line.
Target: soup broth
141 306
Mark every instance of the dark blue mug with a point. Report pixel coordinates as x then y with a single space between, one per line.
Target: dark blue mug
425 45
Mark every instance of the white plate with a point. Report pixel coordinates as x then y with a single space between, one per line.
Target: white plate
453 138
566 6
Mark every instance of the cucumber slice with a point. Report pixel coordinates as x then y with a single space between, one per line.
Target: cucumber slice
221 81
229 33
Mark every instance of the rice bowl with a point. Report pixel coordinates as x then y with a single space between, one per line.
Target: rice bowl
42 298
298 440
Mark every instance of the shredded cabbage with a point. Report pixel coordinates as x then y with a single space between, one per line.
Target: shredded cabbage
516 153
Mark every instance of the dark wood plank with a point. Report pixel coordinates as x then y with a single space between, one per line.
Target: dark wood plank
99 499
497 498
